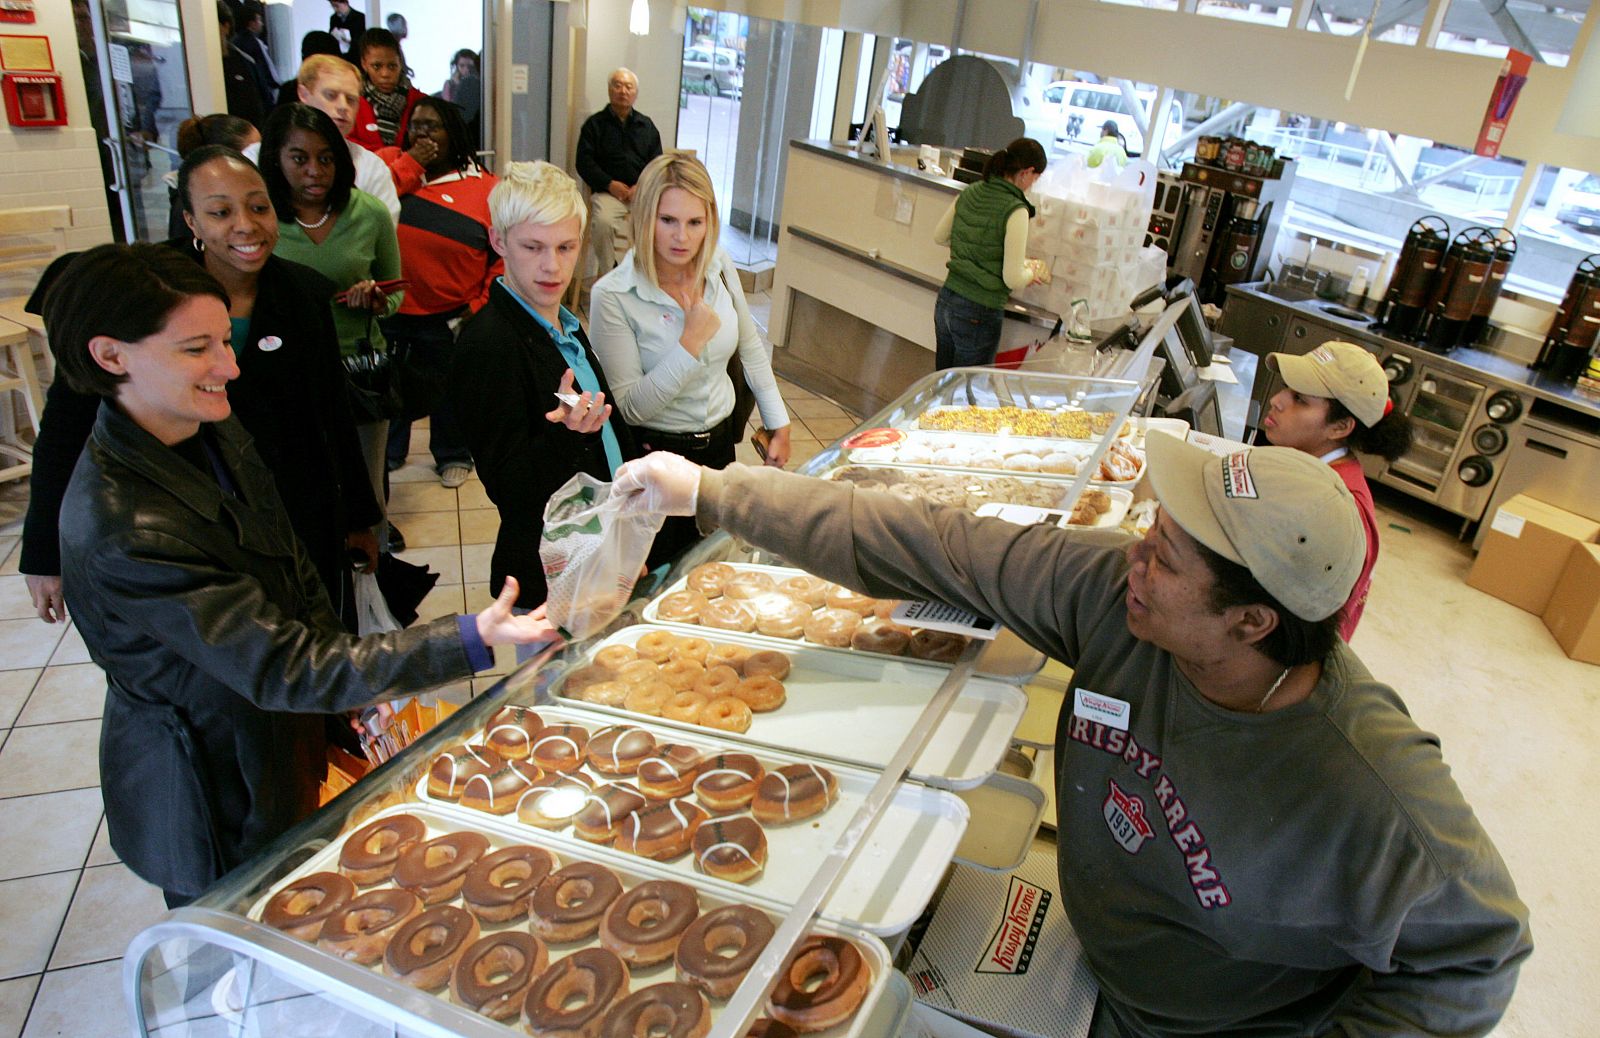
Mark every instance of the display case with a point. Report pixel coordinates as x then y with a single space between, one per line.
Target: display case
887 738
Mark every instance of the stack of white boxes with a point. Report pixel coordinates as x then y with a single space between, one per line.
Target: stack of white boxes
1093 242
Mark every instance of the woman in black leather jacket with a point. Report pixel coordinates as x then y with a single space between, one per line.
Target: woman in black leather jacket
191 591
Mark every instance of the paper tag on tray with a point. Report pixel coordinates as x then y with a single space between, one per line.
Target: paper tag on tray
936 616
1025 515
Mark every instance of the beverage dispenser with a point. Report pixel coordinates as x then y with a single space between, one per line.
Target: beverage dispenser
1505 250
1570 342
1462 278
1406 300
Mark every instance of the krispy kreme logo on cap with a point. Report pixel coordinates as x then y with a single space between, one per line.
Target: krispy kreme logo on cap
1322 355
1236 478
1011 948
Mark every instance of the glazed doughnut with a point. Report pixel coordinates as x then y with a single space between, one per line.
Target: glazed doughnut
614 657
685 707
360 930
657 646
451 769
649 698
842 597
680 607
510 731
369 854
681 674
939 646
497 793
726 614
435 870
806 588
581 677
794 792
728 781
734 849
768 662
747 584
644 925
569 904
709 578
832 627
696 649
719 680
604 810
882 636
495 972
570 999
884 610
560 747
670 1010
617 749
719 948
761 693
662 830
670 772
604 693
553 800
727 714
638 672
780 616
728 656
498 885
823 985
300 908
428 945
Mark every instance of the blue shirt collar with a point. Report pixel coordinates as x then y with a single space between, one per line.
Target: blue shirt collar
569 324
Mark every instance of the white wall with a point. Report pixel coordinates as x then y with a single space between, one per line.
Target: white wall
656 59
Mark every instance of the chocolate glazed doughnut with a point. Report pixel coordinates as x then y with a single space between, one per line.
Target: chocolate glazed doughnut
498 887
368 856
511 730
426 949
513 956
719 948
670 1010
570 999
569 904
823 986
300 908
435 870
644 925
361 930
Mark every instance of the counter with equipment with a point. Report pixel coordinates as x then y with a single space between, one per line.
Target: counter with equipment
733 804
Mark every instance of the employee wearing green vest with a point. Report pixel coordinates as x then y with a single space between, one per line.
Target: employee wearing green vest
987 231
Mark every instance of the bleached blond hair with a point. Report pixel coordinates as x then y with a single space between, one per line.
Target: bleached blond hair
534 191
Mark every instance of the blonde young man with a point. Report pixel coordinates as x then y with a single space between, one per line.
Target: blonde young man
614 146
333 86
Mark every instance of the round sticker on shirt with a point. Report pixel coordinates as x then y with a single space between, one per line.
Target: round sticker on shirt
269 343
373 127
447 198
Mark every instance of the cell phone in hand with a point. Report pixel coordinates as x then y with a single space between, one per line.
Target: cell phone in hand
761 439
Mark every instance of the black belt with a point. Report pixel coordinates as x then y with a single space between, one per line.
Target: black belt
658 439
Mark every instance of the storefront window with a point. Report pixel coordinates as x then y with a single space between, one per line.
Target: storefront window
1257 14
909 64
1397 21
1489 27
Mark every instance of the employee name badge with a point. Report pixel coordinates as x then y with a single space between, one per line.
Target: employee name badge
937 616
1107 710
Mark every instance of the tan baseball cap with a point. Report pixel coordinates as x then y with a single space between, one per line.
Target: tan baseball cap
1343 371
1284 515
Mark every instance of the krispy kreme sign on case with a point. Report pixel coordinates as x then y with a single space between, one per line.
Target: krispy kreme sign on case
874 438
1011 947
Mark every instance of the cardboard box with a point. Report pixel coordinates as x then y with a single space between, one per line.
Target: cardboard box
1573 614
1526 551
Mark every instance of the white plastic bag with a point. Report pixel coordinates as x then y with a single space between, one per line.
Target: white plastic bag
592 555
372 612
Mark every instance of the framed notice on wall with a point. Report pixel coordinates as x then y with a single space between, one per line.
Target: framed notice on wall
26 54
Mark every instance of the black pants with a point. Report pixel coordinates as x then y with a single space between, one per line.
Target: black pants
679 533
427 344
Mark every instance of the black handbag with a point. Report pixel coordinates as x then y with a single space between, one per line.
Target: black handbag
369 379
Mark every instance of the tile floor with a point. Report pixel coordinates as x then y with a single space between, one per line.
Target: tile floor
1519 723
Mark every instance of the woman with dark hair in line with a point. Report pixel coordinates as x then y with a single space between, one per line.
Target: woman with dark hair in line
450 264
196 132
221 650
289 395
987 231
326 223
387 95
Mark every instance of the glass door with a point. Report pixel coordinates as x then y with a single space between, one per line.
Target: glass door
138 65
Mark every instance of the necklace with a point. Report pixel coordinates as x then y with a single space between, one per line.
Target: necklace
313 226
1261 706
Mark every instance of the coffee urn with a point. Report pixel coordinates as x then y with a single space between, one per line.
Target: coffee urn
1405 301
1571 339
1240 244
1505 250
1462 278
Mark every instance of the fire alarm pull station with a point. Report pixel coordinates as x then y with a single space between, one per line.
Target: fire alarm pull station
34 99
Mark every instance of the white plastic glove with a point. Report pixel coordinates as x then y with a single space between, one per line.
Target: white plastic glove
659 484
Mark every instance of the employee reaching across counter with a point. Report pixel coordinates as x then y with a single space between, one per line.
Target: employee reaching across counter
1337 401
1255 836
987 231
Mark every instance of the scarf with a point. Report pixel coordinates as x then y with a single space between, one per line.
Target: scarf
388 108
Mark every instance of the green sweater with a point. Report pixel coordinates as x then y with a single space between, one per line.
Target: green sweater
978 241
361 245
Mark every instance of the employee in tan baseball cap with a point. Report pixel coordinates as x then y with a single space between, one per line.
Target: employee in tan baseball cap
1256 838
1336 402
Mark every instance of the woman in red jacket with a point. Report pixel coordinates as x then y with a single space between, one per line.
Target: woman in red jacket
387 95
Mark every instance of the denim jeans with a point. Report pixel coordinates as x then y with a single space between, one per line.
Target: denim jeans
430 341
966 333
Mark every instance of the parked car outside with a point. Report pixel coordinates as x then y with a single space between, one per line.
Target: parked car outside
1089 106
1581 206
712 72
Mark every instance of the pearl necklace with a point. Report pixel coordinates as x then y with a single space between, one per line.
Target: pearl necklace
313 226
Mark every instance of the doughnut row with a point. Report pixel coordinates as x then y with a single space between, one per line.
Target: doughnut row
801 607
422 936
1019 421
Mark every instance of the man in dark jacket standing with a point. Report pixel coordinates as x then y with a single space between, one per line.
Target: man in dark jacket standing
613 147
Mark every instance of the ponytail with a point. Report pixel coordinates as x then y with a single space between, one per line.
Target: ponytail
1388 439
1022 153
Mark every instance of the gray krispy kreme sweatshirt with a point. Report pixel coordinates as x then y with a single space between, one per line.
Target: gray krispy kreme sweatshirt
1313 870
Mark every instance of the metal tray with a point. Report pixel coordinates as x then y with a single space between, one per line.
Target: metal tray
981 488
1001 446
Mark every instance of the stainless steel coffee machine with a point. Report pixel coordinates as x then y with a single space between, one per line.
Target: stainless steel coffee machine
1226 226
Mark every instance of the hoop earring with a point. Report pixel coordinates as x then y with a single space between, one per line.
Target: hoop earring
199 246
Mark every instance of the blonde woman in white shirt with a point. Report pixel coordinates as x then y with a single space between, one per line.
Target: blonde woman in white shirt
666 322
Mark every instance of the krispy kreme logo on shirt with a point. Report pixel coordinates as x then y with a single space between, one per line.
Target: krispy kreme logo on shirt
1011 948
1124 815
1236 478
